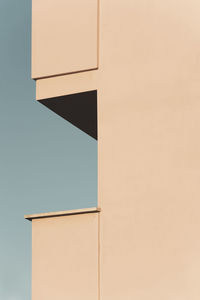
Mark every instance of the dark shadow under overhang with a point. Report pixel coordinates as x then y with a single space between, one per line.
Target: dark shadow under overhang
78 109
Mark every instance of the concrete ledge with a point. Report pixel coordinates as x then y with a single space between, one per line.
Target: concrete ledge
63 213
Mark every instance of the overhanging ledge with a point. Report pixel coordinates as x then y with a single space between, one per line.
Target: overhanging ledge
63 213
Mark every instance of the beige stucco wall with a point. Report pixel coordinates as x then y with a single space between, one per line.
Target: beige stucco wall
148 147
64 36
65 259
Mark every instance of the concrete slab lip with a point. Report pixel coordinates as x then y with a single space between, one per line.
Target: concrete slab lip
63 213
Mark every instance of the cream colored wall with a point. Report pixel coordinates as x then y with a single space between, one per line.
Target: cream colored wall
65 257
64 36
149 149
149 161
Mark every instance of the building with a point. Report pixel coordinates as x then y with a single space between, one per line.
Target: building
126 72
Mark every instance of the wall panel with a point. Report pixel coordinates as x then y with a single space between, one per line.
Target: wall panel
65 257
64 36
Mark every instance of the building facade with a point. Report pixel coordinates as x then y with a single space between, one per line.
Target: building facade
127 73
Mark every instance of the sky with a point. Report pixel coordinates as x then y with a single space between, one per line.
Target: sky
46 164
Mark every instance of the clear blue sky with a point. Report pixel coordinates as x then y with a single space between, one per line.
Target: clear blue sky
46 164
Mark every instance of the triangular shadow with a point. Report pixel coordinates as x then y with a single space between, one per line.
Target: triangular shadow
79 109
